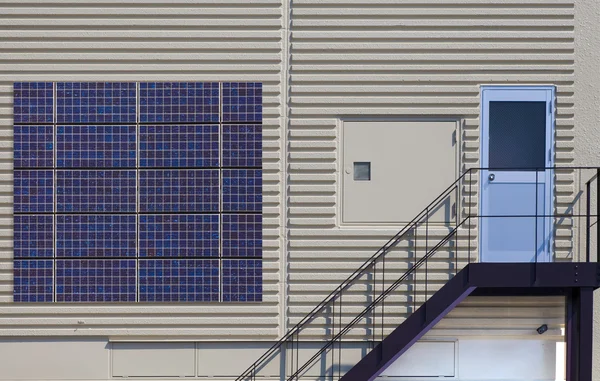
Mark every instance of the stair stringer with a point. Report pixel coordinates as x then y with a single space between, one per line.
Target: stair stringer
412 329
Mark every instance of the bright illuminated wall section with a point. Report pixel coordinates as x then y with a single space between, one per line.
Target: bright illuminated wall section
138 192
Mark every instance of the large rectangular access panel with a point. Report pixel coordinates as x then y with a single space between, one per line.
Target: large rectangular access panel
137 192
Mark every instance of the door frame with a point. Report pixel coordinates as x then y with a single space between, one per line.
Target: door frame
550 154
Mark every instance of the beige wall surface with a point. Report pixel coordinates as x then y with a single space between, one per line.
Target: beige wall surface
321 62
145 40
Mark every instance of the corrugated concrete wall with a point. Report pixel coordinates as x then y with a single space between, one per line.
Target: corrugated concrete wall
320 61
146 40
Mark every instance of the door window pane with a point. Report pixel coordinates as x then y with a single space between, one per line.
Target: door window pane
517 133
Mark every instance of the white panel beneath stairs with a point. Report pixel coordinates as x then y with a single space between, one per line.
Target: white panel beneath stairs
425 359
507 360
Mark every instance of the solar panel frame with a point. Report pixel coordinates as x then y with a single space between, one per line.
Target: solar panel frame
179 280
33 191
95 280
33 280
94 191
33 146
96 146
95 236
33 236
82 149
179 146
96 102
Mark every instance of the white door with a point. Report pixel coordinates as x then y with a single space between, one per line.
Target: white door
517 129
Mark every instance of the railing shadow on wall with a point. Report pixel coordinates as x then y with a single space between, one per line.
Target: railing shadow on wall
417 261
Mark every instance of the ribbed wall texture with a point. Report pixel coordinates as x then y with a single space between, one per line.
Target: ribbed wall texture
135 40
375 58
347 58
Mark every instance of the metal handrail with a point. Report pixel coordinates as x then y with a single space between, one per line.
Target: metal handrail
381 252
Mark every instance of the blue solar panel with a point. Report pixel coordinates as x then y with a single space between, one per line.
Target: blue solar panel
33 236
95 280
33 281
179 146
242 102
152 192
91 102
242 145
179 235
95 236
96 191
242 235
242 280
242 190
179 280
173 102
33 191
34 146
96 146
33 102
179 191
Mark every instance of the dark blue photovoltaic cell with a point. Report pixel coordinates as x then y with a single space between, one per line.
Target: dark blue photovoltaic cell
179 191
179 146
96 191
95 146
242 280
242 190
242 102
179 235
33 237
179 280
95 236
242 145
242 235
33 102
33 281
173 102
96 102
33 191
33 146
95 280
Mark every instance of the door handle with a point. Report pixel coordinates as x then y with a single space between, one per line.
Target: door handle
491 177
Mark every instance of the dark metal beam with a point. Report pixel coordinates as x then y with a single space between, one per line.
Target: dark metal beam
579 333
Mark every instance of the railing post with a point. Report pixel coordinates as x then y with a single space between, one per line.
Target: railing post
597 214
588 220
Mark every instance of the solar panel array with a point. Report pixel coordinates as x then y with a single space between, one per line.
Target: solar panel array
137 192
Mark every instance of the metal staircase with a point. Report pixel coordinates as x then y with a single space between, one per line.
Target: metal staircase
422 273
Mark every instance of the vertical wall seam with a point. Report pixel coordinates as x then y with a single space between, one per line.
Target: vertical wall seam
285 83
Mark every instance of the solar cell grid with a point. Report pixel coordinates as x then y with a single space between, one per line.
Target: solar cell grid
34 146
179 146
242 280
242 190
95 280
95 236
179 235
101 146
33 236
96 191
242 235
242 102
33 281
96 102
179 191
33 102
179 102
242 145
146 192
179 280
33 191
